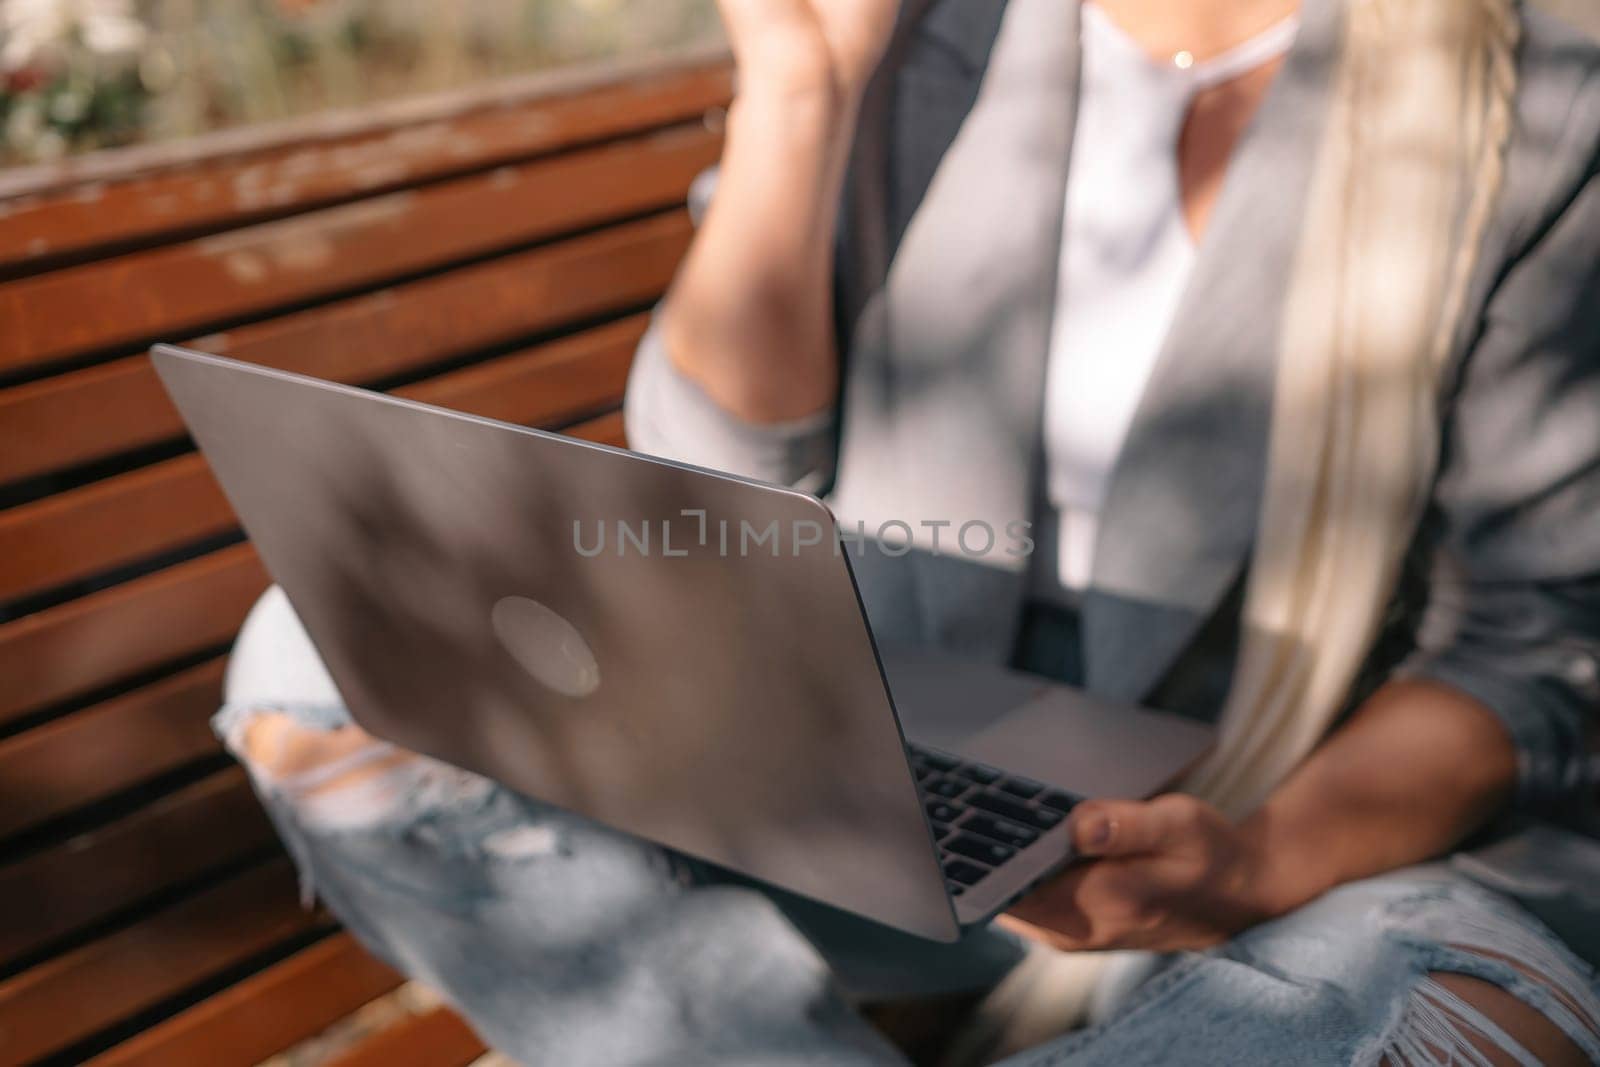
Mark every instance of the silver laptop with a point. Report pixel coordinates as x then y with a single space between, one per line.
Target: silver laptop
674 652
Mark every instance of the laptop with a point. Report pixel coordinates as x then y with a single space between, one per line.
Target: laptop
674 652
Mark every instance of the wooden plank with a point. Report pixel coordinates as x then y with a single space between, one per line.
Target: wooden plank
105 524
102 638
99 411
309 172
133 516
200 828
606 430
264 1014
435 1038
319 254
96 753
543 386
73 996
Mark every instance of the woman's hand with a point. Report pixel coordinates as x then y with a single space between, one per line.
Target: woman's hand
1173 874
808 46
1165 874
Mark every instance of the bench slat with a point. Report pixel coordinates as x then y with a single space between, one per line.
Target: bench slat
102 638
604 429
544 386
435 1038
264 1014
85 531
88 217
76 995
253 270
132 516
96 753
198 829
96 412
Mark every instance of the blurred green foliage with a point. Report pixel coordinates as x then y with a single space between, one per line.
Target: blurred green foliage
82 74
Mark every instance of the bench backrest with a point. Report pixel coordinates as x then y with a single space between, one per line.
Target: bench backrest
495 252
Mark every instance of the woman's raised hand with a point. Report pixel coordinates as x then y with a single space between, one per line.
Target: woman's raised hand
808 46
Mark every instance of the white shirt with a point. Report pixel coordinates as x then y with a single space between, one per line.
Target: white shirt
1126 257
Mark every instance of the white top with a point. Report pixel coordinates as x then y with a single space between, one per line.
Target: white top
1126 256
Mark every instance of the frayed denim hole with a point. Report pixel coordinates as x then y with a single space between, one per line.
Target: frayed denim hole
230 720
1439 1029
1467 930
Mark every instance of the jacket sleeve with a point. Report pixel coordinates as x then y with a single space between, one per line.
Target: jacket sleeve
1513 613
668 415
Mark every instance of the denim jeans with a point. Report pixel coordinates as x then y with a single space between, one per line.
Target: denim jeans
563 942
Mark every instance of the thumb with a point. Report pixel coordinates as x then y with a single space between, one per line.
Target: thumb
1105 828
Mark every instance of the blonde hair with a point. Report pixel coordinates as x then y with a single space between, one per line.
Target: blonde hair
1410 168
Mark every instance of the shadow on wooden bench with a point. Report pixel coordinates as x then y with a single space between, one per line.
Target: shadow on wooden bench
495 252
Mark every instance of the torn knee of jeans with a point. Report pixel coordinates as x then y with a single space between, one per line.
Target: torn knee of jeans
308 760
338 776
1471 939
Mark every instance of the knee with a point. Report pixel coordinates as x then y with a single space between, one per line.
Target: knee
310 761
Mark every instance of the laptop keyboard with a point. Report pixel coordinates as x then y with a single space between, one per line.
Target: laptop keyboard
982 817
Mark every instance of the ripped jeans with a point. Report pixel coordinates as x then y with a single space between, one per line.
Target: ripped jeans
566 943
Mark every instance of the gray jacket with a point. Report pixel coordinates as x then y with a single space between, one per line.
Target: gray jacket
1505 598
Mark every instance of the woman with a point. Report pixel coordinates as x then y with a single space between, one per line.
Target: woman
1280 322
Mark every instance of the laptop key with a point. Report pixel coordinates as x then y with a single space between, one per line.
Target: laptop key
949 788
977 772
963 872
938 760
922 772
1060 801
1026 788
999 830
939 811
1018 812
955 888
991 852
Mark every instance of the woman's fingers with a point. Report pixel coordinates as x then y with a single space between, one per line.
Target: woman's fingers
1169 873
1102 828
1093 906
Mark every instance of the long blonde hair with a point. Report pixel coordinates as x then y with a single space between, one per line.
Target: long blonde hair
1410 168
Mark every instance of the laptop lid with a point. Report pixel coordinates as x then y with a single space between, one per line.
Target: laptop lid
673 652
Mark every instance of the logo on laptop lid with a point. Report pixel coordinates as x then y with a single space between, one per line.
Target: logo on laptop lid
546 645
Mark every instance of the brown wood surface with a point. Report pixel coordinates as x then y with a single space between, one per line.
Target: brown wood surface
154 509
100 411
184 835
109 636
435 1038
102 750
57 1004
264 1014
549 385
168 291
605 429
85 217
105 524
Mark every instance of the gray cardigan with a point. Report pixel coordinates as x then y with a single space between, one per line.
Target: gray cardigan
946 421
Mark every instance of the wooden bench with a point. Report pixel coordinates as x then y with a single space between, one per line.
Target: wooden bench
496 252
